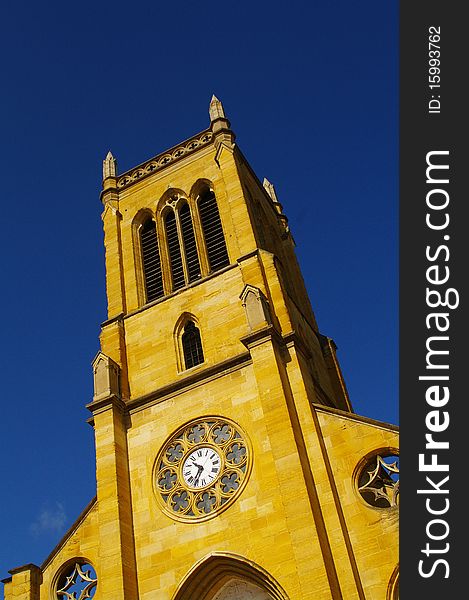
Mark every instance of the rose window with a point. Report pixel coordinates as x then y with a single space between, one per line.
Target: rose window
78 582
378 481
201 469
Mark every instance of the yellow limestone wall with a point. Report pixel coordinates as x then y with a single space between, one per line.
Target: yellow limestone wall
373 532
299 517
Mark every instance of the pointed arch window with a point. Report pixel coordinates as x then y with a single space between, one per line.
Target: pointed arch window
213 232
151 261
193 244
192 346
174 249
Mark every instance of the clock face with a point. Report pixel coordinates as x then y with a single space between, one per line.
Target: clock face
201 469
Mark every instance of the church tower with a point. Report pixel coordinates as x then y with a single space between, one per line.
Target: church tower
229 462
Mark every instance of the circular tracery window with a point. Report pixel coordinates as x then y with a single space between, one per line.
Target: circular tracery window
378 480
77 582
201 469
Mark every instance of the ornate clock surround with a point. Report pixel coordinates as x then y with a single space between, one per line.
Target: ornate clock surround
207 438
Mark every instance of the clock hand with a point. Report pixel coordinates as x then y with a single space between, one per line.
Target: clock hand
199 472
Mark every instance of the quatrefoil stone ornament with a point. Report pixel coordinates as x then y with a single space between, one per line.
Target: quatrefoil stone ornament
201 469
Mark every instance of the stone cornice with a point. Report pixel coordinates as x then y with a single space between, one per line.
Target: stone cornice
28 567
259 336
101 404
198 377
354 417
121 316
160 161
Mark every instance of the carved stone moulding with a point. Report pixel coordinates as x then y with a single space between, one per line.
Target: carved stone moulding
162 160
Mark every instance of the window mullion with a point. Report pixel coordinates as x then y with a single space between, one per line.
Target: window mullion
176 262
190 243
200 241
181 247
165 258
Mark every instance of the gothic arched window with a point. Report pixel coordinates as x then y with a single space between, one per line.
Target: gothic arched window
174 249
193 243
190 247
213 232
151 261
192 346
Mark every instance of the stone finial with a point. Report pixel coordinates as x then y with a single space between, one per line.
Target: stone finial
256 306
109 166
216 109
269 188
106 377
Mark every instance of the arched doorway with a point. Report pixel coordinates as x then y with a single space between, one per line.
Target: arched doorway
226 576
239 589
393 586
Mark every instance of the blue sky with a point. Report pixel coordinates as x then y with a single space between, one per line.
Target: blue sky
311 90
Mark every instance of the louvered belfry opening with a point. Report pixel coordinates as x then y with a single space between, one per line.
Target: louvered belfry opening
175 258
190 246
151 261
192 346
213 232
